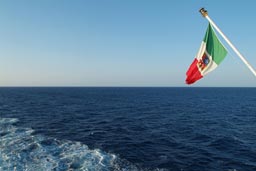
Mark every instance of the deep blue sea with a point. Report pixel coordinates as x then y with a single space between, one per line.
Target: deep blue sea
127 129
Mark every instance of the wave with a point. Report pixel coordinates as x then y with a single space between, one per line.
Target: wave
22 149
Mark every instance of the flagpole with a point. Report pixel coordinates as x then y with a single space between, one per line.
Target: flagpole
205 14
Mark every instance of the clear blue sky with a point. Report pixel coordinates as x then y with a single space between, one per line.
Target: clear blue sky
119 43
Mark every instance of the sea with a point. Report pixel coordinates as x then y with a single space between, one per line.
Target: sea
127 129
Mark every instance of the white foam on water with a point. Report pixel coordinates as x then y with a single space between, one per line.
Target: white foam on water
23 151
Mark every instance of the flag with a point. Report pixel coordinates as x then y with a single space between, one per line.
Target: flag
209 56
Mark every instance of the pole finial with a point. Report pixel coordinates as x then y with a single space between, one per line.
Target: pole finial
203 12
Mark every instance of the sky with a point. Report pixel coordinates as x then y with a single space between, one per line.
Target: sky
120 42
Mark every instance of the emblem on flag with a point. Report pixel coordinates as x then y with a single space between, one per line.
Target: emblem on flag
202 63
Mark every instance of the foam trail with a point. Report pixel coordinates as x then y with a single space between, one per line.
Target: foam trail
21 150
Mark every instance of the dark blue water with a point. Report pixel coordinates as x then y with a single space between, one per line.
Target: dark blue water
176 129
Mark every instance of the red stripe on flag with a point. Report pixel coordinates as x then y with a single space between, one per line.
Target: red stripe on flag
193 74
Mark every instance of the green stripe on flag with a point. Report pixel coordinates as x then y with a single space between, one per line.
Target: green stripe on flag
214 46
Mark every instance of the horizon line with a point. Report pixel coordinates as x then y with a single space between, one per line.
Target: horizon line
127 87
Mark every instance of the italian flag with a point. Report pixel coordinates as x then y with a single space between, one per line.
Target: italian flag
209 56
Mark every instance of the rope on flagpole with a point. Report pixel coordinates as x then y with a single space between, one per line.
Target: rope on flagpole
205 14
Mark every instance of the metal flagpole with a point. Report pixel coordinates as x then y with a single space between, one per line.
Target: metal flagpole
205 14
